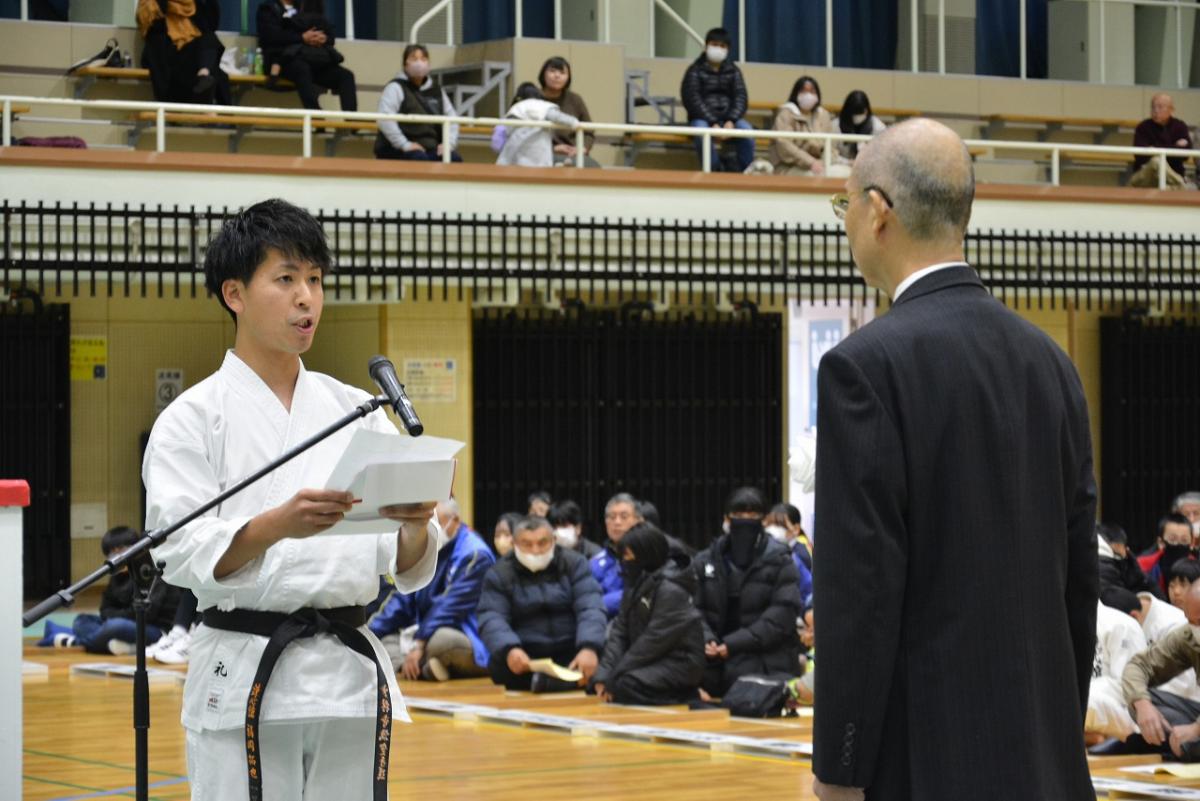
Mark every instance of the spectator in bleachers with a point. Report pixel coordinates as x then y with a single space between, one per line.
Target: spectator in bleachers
182 50
776 524
655 650
446 642
555 80
1118 639
1180 578
1118 566
749 595
502 534
856 117
412 91
1174 542
527 146
714 95
1161 129
539 503
297 36
540 602
1188 505
802 113
567 519
621 513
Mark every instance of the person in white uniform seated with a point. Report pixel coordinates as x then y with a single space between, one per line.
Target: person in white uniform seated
1118 639
287 693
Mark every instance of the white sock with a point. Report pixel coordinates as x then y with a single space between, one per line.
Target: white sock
120 647
64 640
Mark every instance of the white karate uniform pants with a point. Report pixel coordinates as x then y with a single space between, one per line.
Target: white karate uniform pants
320 761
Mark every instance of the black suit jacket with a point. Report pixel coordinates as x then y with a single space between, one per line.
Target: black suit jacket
956 579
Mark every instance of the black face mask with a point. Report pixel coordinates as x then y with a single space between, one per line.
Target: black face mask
1171 555
743 539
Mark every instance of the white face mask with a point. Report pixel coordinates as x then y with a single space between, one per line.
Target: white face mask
566 536
716 54
858 119
807 101
534 563
779 533
1196 529
418 70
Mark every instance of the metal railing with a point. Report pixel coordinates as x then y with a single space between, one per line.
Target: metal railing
312 119
506 260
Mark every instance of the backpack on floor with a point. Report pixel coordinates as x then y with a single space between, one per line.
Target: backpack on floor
757 696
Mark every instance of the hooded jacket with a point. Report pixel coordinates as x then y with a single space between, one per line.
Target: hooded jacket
658 636
606 569
715 96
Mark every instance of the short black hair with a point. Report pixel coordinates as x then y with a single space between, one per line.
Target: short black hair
787 510
1112 533
746 499
649 512
118 537
527 91
241 245
1187 569
539 495
648 545
414 48
509 519
565 513
1120 599
798 87
555 63
718 35
1172 518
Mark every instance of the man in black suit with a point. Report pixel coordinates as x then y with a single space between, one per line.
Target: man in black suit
955 514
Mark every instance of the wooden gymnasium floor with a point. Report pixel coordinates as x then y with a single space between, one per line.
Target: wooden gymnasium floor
79 744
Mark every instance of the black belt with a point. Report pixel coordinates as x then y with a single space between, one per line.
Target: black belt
282 628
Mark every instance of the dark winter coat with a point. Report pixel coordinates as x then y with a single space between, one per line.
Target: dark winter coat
117 601
277 33
558 608
752 612
657 638
715 96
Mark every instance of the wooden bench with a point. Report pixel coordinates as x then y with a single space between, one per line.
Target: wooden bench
768 109
1051 124
634 143
87 76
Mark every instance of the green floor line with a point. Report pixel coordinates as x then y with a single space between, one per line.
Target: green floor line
542 771
98 763
58 783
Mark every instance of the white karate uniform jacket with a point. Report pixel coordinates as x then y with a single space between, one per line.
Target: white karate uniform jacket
211 436
1118 639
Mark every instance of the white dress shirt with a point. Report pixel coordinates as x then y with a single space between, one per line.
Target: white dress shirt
919 274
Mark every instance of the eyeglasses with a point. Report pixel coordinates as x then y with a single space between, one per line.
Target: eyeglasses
841 201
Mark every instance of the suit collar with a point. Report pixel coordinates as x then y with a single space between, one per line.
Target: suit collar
962 275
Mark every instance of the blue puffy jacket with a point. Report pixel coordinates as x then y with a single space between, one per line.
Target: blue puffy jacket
798 553
449 600
606 569
559 607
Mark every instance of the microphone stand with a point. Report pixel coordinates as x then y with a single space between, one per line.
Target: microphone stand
136 558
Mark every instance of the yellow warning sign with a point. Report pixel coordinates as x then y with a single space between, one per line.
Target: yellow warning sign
89 358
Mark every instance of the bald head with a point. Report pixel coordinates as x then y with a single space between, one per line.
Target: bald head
1191 603
926 171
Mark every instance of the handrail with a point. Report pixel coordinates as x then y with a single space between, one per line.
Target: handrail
308 116
681 22
447 5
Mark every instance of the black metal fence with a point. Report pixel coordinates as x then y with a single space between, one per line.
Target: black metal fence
387 256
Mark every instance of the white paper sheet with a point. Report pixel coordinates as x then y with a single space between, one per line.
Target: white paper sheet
389 469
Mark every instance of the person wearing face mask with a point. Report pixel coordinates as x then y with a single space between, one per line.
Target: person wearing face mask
502 534
1167 722
1174 542
714 95
445 642
540 602
748 591
856 117
1118 566
655 650
800 114
567 519
778 524
412 91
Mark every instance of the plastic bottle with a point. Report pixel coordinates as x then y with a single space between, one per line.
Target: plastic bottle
258 61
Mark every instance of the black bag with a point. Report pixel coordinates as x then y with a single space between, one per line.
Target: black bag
314 56
757 696
110 56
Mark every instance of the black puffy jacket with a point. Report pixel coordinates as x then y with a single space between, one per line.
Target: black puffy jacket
559 607
658 636
715 96
755 617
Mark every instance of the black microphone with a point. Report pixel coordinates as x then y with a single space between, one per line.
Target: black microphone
383 373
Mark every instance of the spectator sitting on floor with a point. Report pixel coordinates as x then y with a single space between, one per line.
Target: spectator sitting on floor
1157 619
298 44
182 50
1180 578
446 642
1166 721
412 91
714 95
655 650
113 631
1161 129
555 80
540 602
528 146
778 524
621 513
1118 638
1118 566
567 519
1174 542
749 594
802 113
856 117
539 503
502 534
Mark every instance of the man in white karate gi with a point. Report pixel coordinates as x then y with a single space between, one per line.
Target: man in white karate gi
288 695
